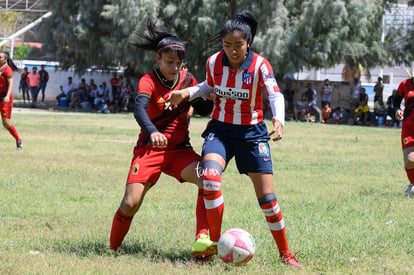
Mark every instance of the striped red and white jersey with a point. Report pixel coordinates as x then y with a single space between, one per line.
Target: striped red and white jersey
239 92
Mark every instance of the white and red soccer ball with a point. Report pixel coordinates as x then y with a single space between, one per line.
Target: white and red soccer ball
236 246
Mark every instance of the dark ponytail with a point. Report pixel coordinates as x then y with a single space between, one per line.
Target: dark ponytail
244 22
159 40
10 61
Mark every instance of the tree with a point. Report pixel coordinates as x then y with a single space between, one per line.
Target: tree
292 34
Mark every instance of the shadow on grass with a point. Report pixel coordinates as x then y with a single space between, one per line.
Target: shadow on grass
143 249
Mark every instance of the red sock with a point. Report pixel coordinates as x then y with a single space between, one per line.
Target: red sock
276 225
201 215
410 175
14 133
120 227
214 202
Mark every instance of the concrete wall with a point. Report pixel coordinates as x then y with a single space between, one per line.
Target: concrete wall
57 78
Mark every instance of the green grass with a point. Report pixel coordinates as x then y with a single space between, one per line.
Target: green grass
340 189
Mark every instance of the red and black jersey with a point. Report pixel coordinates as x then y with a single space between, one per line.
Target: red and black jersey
406 91
172 123
5 74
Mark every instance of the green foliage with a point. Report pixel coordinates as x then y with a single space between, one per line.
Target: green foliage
20 52
293 35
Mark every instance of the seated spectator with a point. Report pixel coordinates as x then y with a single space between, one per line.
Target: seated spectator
326 113
380 111
311 96
67 90
361 112
81 99
300 109
101 96
92 94
337 117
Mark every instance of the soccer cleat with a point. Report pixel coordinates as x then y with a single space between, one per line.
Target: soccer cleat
202 259
409 192
19 144
290 260
203 246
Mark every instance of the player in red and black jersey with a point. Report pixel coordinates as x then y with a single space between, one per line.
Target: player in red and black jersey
406 91
163 144
7 67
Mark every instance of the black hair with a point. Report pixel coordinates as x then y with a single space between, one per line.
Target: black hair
159 40
10 61
244 22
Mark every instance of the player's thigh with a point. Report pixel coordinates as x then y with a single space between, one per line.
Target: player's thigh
181 164
217 150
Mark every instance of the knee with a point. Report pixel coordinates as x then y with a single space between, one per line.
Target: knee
409 161
130 205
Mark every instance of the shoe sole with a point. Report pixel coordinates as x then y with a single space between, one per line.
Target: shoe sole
211 250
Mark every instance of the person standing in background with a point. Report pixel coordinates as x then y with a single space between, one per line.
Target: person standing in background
44 78
34 84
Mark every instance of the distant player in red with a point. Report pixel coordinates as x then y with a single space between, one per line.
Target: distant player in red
163 144
406 91
236 76
7 67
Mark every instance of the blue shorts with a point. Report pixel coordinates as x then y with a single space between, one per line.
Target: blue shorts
247 144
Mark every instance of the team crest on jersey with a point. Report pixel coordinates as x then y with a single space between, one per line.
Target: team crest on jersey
263 149
247 78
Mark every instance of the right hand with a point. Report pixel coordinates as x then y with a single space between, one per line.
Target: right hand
158 140
175 97
399 115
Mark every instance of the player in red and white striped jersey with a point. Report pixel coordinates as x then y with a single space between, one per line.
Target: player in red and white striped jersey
235 77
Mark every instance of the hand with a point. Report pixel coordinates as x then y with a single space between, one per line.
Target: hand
277 128
158 140
174 98
399 115
6 99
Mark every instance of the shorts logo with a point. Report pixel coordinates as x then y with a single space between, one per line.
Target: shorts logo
135 169
247 78
405 140
263 149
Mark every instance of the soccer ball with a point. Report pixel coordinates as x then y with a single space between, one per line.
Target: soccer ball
236 246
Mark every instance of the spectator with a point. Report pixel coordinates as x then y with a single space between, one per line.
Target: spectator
24 85
337 116
92 94
44 78
355 89
34 84
326 113
67 90
101 96
300 109
380 112
289 95
127 95
361 112
114 81
326 94
311 96
392 109
378 89
81 99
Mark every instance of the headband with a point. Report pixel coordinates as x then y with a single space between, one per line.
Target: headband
172 45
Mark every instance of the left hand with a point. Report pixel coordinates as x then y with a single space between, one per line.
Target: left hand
6 99
277 128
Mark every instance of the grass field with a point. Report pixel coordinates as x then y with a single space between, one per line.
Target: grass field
340 189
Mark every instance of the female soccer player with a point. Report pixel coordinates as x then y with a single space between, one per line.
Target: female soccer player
406 91
163 144
237 75
7 67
